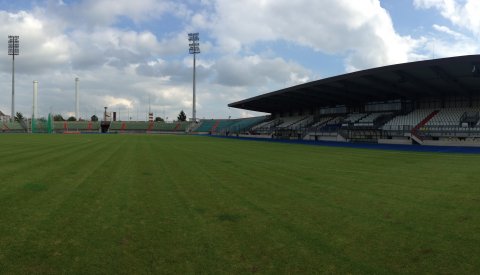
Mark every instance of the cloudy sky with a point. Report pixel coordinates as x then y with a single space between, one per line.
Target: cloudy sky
129 52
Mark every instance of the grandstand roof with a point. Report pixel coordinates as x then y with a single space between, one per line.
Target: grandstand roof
430 78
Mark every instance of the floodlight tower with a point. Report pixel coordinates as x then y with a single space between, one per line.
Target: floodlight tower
13 50
77 101
194 49
35 93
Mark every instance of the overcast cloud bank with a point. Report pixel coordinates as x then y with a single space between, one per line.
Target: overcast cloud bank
125 60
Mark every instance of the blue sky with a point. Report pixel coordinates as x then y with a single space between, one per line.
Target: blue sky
127 53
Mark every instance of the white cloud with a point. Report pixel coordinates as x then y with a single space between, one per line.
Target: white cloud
121 67
463 14
42 46
122 63
101 13
113 46
448 31
442 47
257 71
361 29
461 37
117 102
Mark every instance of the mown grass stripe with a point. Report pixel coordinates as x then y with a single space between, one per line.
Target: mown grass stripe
182 204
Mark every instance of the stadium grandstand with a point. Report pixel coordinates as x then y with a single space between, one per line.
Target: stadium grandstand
12 126
431 102
77 127
205 126
227 126
120 127
149 127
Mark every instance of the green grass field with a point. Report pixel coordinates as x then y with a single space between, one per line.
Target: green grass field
182 204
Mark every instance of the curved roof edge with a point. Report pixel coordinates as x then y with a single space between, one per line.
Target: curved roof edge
459 75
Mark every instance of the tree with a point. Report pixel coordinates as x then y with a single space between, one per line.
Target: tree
94 118
19 116
159 119
72 118
58 117
182 116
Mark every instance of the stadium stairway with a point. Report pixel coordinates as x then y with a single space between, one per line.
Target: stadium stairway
177 126
5 127
214 127
414 133
204 126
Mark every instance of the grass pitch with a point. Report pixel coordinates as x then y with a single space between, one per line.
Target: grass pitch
180 204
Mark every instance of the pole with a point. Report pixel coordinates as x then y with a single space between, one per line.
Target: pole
13 86
77 104
194 111
194 49
35 94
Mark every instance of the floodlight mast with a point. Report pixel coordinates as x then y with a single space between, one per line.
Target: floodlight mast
77 99
13 50
194 49
35 101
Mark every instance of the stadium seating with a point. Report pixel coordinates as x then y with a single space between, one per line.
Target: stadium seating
288 121
449 116
116 125
242 125
60 125
81 126
165 126
12 126
222 125
76 125
40 126
328 125
413 125
206 125
145 126
162 126
370 119
182 126
136 125
265 125
304 122
335 121
321 122
93 125
327 122
409 120
352 118
215 125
